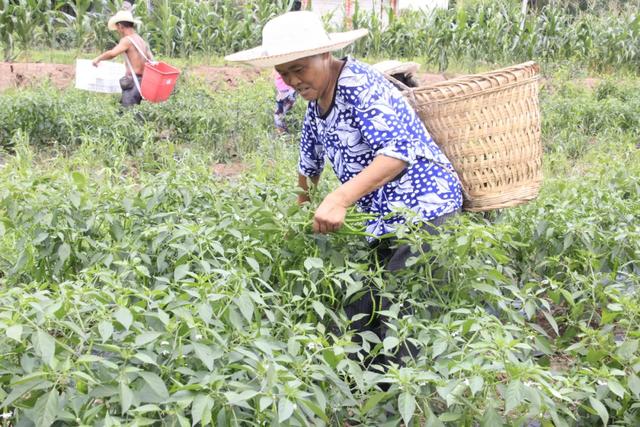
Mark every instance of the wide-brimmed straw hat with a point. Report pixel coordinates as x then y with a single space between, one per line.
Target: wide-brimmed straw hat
292 36
122 16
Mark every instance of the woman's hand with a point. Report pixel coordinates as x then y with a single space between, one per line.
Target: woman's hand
303 197
329 216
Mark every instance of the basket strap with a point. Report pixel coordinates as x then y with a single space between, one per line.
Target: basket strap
397 83
134 76
405 90
140 50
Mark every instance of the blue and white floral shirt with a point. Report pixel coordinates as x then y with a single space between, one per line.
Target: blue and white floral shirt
370 117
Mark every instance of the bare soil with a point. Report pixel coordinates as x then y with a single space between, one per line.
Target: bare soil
218 77
21 74
226 170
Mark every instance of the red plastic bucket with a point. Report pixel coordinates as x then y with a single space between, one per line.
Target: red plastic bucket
158 81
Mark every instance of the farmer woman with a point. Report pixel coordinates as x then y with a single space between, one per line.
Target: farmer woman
376 144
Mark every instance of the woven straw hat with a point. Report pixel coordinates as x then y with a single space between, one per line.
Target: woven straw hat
122 16
292 36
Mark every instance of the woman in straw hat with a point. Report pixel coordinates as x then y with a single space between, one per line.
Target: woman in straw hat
136 54
376 144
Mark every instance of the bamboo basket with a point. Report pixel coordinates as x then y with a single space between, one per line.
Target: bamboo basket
488 125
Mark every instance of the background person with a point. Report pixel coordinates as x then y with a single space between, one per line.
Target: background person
136 53
285 94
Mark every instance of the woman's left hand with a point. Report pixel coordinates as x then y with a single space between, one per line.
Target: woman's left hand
330 214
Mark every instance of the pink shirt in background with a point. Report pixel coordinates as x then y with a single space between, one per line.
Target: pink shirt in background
280 84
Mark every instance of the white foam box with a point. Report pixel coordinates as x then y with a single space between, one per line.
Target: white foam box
104 78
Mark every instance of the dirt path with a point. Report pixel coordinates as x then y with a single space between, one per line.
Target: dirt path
24 74
20 74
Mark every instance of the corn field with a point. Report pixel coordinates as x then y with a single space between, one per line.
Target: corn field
480 31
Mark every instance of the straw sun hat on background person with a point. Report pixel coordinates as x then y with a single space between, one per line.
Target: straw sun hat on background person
122 16
292 36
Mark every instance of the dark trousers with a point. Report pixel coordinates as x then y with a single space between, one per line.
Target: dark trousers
370 302
131 96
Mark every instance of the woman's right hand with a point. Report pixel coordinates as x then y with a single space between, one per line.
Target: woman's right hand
303 197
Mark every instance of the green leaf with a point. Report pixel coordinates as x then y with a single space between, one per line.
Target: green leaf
45 346
245 305
316 410
491 418
144 271
634 385
390 343
615 307
205 312
432 420
18 391
311 263
79 179
627 349
319 308
64 251
552 322
47 409
156 383
14 332
285 409
475 384
616 388
449 417
206 354
253 264
145 338
293 346
126 397
439 347
373 401
238 398
406 406
513 397
124 316
181 271
600 409
201 409
145 358
264 403
483 287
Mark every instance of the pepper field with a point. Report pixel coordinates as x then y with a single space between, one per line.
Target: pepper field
155 268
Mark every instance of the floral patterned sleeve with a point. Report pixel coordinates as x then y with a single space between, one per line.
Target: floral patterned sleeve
311 150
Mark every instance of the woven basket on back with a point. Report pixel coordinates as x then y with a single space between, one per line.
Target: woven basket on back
488 125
